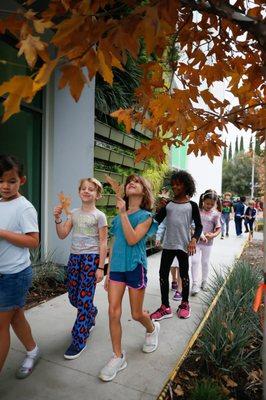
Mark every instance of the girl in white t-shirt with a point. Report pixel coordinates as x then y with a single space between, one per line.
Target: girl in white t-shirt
86 260
18 233
210 207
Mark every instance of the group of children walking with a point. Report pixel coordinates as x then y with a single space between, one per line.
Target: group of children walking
189 231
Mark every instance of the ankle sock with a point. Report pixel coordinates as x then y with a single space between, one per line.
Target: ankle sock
29 359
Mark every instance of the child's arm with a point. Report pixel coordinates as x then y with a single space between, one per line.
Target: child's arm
198 228
132 235
103 251
29 240
160 233
62 228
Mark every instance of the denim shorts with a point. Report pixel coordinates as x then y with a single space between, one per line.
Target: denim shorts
136 279
14 289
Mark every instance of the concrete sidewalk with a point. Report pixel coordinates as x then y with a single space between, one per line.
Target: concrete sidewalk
143 379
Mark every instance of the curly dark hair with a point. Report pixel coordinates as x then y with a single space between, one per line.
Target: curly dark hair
186 179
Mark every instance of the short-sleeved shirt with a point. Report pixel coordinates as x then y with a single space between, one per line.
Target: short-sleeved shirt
211 220
226 206
18 216
178 220
126 257
85 232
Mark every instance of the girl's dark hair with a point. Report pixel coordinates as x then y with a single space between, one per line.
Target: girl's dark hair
147 201
8 162
212 195
186 179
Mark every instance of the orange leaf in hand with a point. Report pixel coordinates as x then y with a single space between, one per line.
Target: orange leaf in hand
114 185
65 202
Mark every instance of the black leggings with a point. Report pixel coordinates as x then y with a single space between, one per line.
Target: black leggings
166 262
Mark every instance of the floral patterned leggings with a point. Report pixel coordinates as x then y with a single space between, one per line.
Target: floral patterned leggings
81 283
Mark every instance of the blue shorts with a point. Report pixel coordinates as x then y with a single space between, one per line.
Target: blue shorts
14 289
136 279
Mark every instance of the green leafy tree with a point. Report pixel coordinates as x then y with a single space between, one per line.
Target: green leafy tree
230 152
236 146
257 147
237 174
225 152
241 147
251 144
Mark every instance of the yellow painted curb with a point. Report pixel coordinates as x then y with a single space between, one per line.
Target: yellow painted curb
194 337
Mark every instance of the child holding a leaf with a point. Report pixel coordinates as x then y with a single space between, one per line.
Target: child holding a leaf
86 260
128 267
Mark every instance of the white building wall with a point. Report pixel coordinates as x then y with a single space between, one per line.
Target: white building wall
207 175
69 156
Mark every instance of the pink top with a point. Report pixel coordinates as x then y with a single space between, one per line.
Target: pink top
210 221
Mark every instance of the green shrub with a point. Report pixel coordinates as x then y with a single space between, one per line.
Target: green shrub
226 340
206 390
44 268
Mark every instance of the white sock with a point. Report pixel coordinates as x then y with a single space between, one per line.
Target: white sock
29 359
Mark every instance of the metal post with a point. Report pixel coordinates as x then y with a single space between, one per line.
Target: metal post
252 172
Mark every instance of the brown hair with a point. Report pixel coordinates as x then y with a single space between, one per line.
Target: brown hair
98 185
147 200
212 195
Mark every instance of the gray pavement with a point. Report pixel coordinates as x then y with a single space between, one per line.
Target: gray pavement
143 379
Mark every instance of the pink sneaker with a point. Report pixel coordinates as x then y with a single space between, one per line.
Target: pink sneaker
183 310
162 313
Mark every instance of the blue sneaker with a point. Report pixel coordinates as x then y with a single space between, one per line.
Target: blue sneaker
72 352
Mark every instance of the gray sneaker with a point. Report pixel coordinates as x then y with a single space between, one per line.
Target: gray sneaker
151 339
204 286
116 364
23 371
195 289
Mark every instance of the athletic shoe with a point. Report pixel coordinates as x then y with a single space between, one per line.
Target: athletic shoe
194 290
72 352
174 285
27 366
183 310
227 235
177 296
151 339
222 237
204 286
162 313
116 364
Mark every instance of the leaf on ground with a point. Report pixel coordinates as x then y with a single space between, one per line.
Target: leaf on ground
191 373
225 391
179 391
229 382
255 375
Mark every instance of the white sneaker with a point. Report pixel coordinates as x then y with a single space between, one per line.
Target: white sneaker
195 289
116 364
204 286
151 339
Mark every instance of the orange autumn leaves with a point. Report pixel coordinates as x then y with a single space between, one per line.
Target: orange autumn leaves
82 38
